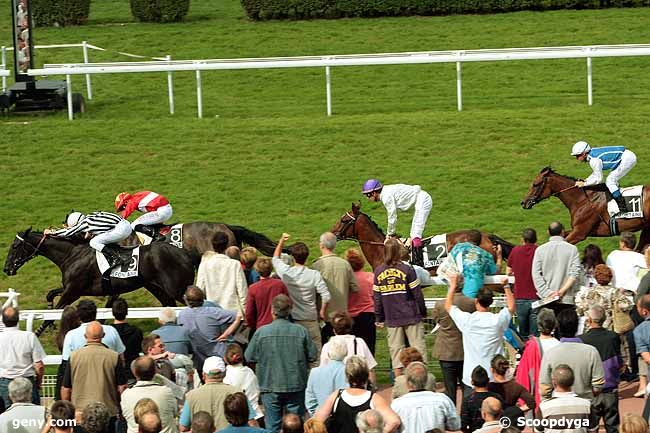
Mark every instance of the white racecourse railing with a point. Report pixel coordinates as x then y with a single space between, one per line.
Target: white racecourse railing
29 316
427 57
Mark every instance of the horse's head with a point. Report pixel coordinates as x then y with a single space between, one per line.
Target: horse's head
344 228
539 190
24 248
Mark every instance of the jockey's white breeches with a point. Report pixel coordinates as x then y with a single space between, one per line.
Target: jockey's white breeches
422 209
158 216
121 231
628 160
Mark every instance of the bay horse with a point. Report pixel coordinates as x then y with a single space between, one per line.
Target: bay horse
356 225
587 207
164 270
197 238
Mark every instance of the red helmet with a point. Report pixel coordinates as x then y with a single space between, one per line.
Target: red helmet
121 200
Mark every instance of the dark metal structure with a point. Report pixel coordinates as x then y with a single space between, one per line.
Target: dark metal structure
29 94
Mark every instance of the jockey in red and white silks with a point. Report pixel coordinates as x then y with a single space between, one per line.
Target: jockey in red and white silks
155 208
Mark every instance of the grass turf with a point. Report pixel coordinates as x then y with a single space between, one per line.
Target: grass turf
265 156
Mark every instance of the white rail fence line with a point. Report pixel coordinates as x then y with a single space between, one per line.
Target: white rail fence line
29 316
458 57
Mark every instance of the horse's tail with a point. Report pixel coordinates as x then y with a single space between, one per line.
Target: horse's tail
254 239
506 247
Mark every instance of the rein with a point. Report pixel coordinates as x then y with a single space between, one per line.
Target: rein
564 190
36 248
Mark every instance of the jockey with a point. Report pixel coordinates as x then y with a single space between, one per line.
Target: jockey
402 197
615 158
103 228
155 208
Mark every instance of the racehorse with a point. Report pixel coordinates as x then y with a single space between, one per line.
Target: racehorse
197 238
587 206
164 270
356 225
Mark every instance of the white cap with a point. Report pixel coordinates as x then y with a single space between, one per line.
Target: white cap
212 364
579 148
73 218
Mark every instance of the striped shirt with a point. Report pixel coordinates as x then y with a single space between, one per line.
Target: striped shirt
94 223
565 412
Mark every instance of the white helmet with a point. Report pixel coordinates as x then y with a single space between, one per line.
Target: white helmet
579 148
73 218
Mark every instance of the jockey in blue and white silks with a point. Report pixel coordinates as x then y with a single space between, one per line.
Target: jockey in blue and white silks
616 159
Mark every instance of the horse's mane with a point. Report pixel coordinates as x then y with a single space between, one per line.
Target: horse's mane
550 169
374 224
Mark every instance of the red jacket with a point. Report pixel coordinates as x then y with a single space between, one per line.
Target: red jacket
144 201
528 368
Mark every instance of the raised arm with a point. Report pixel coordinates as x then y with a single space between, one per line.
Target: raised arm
278 248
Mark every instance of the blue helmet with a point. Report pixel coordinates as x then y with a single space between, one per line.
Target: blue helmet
371 185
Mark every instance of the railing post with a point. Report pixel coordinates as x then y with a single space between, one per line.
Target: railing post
590 96
29 325
199 96
328 88
170 88
459 86
4 66
89 87
68 83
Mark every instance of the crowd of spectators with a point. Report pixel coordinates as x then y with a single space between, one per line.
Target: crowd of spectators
268 345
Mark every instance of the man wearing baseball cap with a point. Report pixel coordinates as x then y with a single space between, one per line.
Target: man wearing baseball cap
209 397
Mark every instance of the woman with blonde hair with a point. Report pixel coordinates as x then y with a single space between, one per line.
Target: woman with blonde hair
633 423
341 407
314 425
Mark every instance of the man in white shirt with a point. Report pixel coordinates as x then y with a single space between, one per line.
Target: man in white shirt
482 330
303 284
144 370
402 197
422 410
625 263
21 355
221 278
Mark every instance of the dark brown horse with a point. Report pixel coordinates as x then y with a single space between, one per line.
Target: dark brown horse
164 270
356 225
197 237
587 206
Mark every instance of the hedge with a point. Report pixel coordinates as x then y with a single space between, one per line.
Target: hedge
60 12
160 11
306 9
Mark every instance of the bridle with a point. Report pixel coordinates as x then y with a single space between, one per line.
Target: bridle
351 221
540 188
36 250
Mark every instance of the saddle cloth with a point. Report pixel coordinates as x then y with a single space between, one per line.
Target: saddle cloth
172 235
633 198
434 250
128 269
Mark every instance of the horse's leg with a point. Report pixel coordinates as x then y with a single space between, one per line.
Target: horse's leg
67 298
160 294
51 295
573 237
644 239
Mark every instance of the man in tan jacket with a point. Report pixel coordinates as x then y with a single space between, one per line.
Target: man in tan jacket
338 276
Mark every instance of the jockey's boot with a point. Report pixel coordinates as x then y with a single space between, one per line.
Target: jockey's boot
147 230
417 252
112 255
622 206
